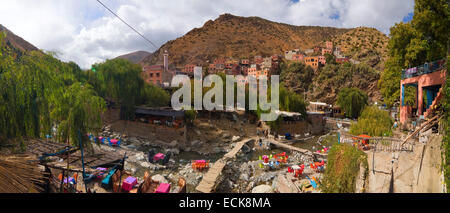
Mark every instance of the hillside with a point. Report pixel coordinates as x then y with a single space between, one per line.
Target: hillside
241 37
135 57
16 42
367 45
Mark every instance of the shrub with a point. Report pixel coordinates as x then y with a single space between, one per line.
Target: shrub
373 122
343 167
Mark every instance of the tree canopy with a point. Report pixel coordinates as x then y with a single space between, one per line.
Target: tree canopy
411 44
373 122
352 101
120 80
39 93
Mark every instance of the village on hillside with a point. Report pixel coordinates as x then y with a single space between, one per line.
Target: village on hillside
350 120
161 75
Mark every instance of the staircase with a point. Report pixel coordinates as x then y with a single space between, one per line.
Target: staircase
436 101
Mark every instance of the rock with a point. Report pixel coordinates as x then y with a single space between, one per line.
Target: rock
159 178
246 149
146 164
243 177
217 150
140 156
198 132
284 185
226 136
195 143
262 189
235 138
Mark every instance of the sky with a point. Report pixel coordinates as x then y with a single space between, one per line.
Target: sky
83 31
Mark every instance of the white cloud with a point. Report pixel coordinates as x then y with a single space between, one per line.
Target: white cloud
85 32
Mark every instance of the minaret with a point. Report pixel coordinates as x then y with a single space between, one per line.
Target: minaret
166 60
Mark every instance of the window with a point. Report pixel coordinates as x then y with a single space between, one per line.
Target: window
157 75
151 75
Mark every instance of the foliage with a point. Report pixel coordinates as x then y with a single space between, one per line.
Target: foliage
411 44
297 76
39 93
373 122
190 116
352 101
121 80
79 110
342 170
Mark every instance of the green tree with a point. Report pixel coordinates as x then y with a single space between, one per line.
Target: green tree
297 76
411 44
121 81
373 122
352 101
38 92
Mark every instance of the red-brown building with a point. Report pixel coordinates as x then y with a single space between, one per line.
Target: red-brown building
342 60
153 74
245 62
298 57
189 68
327 51
322 59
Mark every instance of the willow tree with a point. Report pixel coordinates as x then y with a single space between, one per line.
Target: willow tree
76 111
38 93
121 81
352 101
373 122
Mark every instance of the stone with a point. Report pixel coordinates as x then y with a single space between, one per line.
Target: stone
262 189
159 178
235 138
244 177
226 136
284 185
146 164
140 156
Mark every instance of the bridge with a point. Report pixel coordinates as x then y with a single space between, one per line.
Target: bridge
209 180
293 148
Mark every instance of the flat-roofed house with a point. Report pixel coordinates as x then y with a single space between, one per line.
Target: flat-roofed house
153 74
312 61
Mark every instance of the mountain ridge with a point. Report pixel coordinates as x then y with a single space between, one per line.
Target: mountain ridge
240 37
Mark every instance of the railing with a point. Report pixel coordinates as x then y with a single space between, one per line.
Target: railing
424 69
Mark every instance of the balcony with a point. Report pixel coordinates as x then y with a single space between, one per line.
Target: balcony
424 69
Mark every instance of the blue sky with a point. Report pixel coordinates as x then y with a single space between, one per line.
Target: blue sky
408 17
85 32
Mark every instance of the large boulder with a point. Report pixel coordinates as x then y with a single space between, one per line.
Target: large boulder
262 189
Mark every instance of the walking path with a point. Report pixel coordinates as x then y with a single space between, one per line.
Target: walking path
209 179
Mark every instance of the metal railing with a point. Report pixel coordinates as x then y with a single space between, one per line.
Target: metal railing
424 69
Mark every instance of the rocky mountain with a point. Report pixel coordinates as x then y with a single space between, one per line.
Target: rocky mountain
16 42
363 44
135 57
241 37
